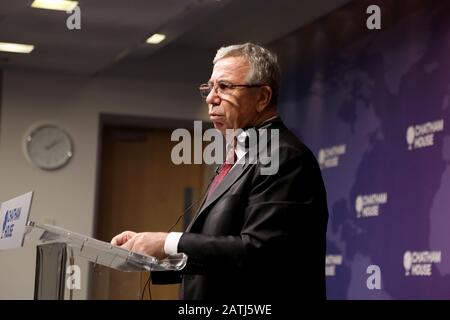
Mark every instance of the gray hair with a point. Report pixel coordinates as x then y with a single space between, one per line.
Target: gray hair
263 63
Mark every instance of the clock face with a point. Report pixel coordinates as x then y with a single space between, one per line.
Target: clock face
49 147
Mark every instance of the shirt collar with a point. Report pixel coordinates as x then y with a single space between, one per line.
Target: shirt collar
240 147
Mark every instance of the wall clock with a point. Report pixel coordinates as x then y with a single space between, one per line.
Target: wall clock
49 147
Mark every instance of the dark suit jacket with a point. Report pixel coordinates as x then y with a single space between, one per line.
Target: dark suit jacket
261 236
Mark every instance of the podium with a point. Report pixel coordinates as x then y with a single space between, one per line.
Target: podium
60 244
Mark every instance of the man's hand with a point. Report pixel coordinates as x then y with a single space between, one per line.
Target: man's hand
149 243
120 239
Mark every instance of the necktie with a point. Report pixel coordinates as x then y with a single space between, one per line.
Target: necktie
223 170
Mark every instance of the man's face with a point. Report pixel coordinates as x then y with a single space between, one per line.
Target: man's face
237 107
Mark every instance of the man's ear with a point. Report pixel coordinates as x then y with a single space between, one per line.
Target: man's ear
264 97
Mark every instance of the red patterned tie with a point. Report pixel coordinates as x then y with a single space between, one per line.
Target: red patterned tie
223 170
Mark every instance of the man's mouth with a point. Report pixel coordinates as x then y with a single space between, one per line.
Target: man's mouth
215 117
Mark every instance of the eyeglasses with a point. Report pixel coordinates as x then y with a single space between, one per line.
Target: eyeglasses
223 87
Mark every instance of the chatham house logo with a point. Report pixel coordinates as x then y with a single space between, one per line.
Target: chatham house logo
419 263
331 262
369 205
422 135
329 157
11 217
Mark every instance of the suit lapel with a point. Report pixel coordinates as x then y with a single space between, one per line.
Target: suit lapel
234 174
205 196
197 213
228 180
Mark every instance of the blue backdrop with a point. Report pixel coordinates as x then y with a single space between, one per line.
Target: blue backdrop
376 115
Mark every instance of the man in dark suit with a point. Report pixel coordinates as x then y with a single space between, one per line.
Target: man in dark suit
258 234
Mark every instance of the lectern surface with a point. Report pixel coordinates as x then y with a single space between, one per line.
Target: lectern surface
105 254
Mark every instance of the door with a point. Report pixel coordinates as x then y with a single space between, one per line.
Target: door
141 190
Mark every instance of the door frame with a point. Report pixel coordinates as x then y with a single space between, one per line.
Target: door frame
137 122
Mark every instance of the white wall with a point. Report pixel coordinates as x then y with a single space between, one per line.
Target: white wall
68 195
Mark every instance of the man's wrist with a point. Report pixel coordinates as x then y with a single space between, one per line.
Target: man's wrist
171 243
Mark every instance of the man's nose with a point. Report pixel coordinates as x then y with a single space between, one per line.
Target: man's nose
213 98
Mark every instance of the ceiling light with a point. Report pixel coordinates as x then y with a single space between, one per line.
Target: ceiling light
16 47
156 38
62 5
